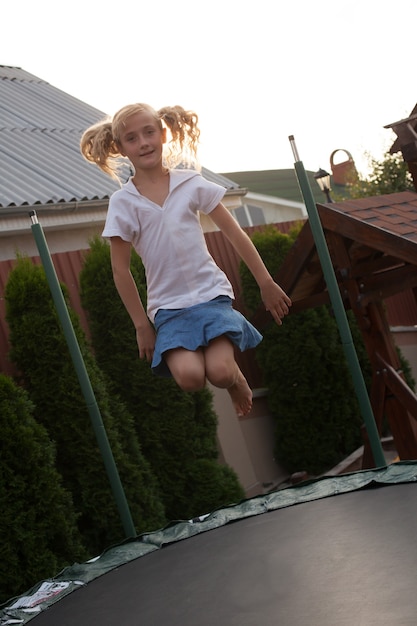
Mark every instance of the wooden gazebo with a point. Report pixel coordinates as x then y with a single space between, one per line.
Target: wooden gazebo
373 247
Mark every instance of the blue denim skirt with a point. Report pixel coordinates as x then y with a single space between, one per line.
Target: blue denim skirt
196 326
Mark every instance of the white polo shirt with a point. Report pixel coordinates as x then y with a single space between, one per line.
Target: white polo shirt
180 271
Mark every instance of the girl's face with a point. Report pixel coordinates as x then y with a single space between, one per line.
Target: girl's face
141 140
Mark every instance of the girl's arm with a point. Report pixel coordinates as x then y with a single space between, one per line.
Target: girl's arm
128 292
274 298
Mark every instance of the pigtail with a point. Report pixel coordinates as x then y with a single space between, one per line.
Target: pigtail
99 143
183 125
98 146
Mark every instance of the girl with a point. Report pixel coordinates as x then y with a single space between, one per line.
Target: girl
157 212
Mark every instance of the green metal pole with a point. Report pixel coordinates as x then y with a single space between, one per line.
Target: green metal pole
84 380
339 310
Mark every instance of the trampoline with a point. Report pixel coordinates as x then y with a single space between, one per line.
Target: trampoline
333 551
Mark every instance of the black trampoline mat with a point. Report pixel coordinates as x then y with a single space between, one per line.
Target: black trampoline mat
348 559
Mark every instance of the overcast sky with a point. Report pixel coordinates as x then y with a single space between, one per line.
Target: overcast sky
331 73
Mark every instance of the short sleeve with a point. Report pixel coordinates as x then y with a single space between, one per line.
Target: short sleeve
119 220
209 195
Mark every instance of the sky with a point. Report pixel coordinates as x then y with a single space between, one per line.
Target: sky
332 73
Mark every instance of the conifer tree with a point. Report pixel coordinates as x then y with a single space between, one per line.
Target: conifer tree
38 524
41 354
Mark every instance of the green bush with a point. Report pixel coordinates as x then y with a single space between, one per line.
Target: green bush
38 525
311 393
273 247
210 486
40 352
176 430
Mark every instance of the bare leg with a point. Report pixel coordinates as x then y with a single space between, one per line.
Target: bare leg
216 362
222 371
187 368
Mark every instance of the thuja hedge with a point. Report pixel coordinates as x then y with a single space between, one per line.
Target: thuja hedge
38 523
311 394
40 352
176 430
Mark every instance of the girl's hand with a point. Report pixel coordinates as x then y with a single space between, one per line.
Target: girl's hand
145 338
275 300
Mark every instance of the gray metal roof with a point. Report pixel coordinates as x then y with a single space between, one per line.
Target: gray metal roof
40 132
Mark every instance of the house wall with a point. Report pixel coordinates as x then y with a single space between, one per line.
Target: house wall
275 209
65 231
247 443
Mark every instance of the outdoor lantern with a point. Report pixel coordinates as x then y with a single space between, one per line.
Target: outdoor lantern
323 180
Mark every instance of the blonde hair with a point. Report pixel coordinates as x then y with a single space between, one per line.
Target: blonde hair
100 143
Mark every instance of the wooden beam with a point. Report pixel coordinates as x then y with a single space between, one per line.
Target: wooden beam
367 234
398 387
379 263
381 350
347 283
387 284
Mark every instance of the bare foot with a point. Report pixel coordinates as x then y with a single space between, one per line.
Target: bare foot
241 395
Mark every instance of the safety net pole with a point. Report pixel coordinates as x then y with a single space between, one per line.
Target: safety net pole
83 377
339 310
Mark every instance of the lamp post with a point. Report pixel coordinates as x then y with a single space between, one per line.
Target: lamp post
323 180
